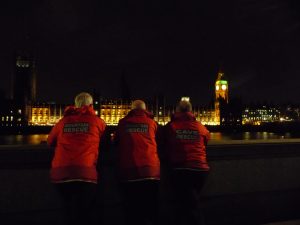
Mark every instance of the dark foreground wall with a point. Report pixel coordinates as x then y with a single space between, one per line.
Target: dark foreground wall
251 182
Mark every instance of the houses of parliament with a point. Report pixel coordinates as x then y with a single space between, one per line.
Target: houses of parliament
25 111
112 110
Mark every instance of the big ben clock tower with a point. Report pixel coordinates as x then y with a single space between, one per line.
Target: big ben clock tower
221 90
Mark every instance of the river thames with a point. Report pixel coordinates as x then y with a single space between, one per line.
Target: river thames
35 139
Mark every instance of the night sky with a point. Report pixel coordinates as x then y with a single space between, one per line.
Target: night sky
173 47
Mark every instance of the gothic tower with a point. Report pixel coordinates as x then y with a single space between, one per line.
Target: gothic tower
221 90
24 83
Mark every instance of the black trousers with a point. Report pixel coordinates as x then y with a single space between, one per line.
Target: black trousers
186 186
141 202
78 199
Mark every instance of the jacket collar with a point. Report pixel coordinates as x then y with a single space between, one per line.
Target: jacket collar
84 110
139 112
188 116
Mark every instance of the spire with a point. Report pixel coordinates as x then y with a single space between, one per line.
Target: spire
221 75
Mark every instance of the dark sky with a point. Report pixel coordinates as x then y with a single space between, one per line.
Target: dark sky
170 47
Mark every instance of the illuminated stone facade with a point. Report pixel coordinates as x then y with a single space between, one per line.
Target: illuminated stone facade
259 115
164 115
24 83
112 110
221 94
45 114
206 116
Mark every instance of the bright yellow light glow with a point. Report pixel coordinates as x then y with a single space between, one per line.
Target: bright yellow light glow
217 87
224 87
187 99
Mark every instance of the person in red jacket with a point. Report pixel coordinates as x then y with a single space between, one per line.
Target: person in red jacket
139 165
76 138
185 153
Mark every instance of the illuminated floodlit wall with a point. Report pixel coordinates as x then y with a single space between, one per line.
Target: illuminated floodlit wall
207 117
260 115
163 116
112 112
45 115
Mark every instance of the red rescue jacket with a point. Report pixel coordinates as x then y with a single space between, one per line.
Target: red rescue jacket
135 136
186 140
76 138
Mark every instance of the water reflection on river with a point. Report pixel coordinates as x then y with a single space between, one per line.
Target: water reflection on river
218 136
34 139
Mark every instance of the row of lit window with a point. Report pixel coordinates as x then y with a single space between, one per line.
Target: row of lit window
263 112
7 118
261 116
112 113
19 111
206 118
212 123
40 111
115 107
40 115
40 120
205 114
22 64
10 125
113 110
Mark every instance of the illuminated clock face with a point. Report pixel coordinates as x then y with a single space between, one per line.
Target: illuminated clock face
217 87
224 87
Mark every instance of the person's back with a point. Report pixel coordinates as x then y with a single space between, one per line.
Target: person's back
76 138
186 139
185 152
139 165
137 146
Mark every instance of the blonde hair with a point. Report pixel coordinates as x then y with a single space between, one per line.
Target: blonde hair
138 104
184 106
83 99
